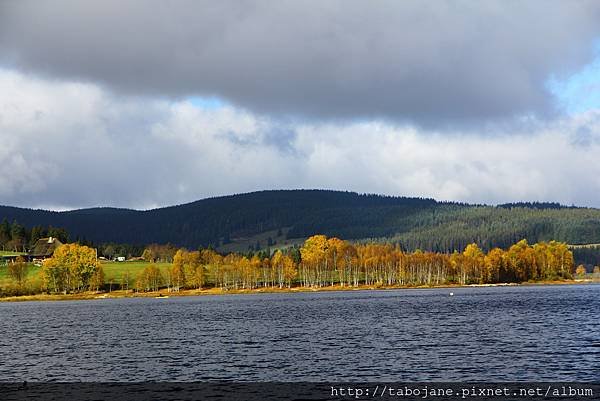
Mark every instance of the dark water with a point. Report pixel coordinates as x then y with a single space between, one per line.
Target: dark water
502 334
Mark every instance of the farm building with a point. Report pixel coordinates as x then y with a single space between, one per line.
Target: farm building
43 249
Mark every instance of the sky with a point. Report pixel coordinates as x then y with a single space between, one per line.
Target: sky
143 104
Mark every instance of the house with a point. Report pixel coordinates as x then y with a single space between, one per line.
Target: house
43 249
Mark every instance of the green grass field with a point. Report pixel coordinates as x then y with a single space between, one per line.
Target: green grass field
115 271
32 276
11 253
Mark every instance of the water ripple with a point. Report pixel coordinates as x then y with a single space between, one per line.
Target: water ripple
502 334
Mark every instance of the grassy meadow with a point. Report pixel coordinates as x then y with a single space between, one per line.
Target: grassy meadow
33 277
114 272
11 253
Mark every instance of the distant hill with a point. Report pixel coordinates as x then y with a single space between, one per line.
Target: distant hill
272 218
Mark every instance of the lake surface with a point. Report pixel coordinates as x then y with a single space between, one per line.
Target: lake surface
549 333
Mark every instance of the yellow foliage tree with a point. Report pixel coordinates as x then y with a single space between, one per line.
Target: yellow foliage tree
494 265
472 266
18 270
70 269
314 261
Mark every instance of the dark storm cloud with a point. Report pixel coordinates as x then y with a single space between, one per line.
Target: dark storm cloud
426 62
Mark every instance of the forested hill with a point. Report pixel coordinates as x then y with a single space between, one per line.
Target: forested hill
414 222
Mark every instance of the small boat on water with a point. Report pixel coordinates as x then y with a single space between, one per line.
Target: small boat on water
161 296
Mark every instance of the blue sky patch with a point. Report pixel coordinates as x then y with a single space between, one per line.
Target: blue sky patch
207 103
581 91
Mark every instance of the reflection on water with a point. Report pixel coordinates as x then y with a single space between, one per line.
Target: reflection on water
493 333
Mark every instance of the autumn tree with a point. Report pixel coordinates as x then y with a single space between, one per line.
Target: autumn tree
314 261
125 280
521 262
70 268
581 271
149 255
471 268
194 271
285 268
495 266
150 279
289 270
159 253
348 267
562 260
18 270
254 271
277 266
334 255
177 273
97 279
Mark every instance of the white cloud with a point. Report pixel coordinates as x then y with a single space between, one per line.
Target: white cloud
66 144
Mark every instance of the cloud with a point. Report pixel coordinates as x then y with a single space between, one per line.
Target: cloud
71 144
430 63
68 144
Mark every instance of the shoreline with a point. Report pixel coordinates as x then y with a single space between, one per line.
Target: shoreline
91 296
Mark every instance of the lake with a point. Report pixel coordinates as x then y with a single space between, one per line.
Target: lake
525 333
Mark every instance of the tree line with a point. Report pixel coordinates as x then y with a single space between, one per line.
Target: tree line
319 262
323 261
18 238
330 260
